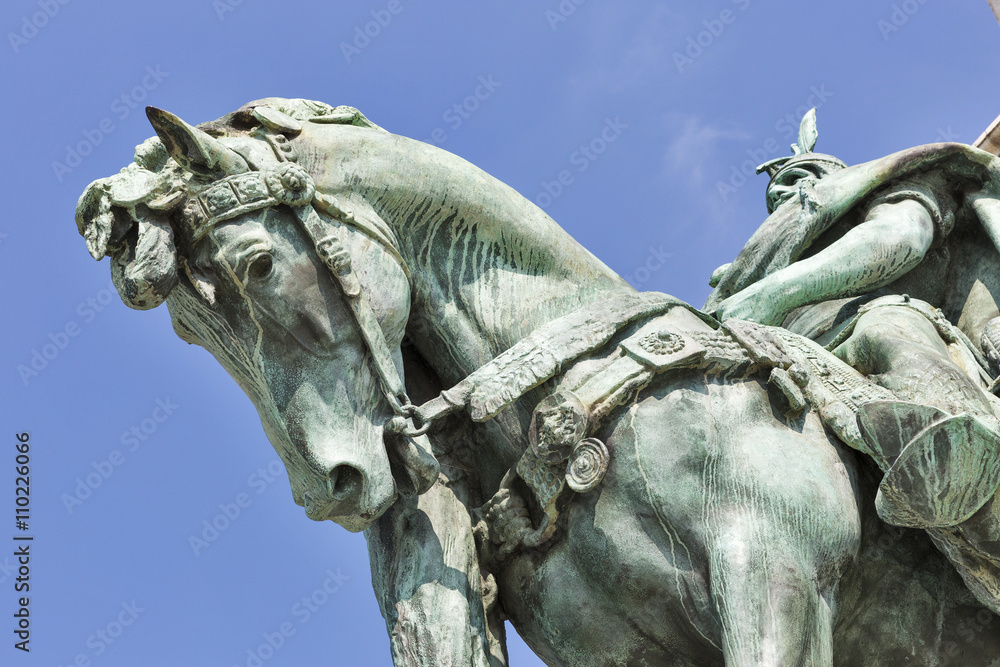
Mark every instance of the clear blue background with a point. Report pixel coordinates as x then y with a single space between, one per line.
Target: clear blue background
653 192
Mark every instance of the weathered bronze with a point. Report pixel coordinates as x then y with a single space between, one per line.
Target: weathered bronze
521 435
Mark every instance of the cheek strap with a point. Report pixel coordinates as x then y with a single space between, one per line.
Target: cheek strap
326 239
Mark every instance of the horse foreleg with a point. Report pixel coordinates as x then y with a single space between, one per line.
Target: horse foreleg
769 604
429 586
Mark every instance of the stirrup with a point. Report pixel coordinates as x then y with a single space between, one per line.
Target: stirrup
943 476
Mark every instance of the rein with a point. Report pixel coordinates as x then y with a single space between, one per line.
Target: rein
330 248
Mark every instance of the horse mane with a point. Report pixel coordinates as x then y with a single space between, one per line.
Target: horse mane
473 237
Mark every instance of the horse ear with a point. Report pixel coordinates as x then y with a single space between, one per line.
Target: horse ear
195 150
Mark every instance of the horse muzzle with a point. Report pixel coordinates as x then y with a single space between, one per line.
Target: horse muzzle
345 500
349 491
345 497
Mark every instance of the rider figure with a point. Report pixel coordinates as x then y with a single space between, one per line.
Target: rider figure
949 464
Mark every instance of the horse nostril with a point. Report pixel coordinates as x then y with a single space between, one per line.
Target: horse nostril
343 482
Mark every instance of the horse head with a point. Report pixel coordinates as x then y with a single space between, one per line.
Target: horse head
304 305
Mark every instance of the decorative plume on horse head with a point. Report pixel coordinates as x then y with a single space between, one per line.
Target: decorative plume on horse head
128 216
601 462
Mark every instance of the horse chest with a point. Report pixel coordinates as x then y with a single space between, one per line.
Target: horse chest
583 606
610 592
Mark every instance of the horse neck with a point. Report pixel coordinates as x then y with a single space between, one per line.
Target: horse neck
488 267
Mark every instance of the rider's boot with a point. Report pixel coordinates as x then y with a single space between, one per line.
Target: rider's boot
941 469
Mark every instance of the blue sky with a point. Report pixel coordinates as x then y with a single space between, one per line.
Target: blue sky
691 96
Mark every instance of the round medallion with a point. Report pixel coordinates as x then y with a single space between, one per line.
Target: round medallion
587 465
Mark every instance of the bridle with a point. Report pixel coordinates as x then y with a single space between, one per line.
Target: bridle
326 239
486 391
238 189
289 184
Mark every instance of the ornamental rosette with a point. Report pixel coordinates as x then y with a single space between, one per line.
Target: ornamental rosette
662 343
290 184
587 465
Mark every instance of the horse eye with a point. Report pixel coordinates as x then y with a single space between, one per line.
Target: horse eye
260 266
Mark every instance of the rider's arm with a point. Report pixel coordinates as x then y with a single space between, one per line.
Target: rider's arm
893 238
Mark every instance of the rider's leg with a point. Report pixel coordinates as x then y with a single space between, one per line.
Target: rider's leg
901 350
949 464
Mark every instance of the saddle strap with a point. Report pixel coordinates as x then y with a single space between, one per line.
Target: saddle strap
737 348
564 452
544 353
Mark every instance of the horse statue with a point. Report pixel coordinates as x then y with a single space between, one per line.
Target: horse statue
519 433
